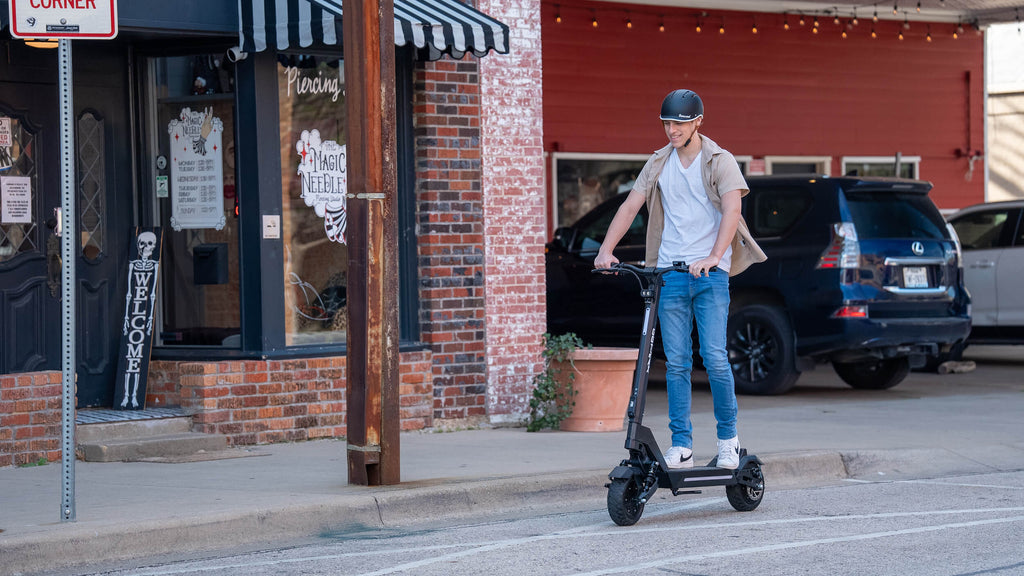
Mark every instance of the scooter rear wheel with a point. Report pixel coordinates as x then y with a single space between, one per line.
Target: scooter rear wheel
624 505
745 498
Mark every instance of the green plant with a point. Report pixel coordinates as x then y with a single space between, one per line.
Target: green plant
553 390
41 462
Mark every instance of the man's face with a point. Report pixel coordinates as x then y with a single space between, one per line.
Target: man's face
679 132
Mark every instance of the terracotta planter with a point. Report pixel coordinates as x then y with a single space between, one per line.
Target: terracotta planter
604 377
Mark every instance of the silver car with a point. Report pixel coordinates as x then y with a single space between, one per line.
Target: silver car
992 240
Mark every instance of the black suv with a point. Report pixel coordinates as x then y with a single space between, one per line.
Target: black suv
862 272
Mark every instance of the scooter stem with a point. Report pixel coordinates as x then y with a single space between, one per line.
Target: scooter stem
638 397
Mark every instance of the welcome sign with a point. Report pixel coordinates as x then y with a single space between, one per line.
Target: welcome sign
137 329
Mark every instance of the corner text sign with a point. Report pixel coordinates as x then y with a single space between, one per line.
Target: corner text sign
96 19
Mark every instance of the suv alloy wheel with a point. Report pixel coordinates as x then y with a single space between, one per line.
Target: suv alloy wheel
761 350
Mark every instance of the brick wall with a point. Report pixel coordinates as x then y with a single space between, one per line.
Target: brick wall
266 401
251 402
450 232
162 385
511 144
30 411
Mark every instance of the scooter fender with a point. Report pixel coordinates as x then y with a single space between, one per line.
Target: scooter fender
623 473
749 458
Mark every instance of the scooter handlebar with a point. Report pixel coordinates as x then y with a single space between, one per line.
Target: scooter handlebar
649 273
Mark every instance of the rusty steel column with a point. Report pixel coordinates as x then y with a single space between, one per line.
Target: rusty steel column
372 364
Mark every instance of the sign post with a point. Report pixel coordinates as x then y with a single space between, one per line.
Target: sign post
95 19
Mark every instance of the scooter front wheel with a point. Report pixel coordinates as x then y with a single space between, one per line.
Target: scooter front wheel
745 497
624 505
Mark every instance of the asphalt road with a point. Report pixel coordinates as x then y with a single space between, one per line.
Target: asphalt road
948 526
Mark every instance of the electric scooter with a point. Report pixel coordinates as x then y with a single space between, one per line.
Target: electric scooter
637 478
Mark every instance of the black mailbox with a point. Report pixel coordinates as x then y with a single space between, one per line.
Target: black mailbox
210 264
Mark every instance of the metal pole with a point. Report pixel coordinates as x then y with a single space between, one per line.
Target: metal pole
68 226
372 391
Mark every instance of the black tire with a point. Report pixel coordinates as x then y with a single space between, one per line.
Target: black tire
745 498
761 350
624 504
873 374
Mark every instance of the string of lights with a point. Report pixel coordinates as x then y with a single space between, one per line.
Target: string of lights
845 23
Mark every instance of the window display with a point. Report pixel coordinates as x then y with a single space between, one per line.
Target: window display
314 185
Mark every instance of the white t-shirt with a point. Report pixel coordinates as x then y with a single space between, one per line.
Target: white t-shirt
691 220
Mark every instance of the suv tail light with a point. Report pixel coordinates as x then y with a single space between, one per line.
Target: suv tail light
843 251
851 312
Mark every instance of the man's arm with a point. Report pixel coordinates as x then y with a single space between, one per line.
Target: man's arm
732 204
617 229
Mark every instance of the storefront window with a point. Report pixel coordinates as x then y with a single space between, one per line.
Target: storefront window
585 180
190 127
311 96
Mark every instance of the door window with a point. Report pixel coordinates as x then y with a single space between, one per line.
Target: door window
775 212
19 230
191 137
92 184
983 230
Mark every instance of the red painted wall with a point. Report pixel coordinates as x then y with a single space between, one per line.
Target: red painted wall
777 92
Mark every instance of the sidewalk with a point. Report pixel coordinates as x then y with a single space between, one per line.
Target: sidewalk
823 433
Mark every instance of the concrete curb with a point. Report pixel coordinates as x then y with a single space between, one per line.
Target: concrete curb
378 507
791 469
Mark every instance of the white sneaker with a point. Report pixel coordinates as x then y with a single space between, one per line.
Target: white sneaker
679 457
729 453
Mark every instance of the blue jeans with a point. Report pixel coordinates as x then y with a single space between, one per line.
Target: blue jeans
684 298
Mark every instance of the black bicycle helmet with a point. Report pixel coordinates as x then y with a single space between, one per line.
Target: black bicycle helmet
682 106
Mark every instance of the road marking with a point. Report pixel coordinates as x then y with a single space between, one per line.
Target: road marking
582 531
793 545
959 485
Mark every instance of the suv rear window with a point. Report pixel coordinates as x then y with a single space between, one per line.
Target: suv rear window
894 215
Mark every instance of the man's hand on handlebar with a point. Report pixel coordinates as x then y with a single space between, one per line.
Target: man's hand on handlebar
604 261
704 267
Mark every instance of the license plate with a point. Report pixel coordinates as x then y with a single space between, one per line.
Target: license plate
915 277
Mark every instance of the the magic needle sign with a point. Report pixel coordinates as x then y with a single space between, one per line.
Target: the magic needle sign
95 19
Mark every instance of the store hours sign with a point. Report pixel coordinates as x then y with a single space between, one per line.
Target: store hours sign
197 170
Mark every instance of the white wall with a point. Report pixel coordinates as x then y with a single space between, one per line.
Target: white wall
1004 62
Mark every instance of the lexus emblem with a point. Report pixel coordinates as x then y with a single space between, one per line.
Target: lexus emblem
918 248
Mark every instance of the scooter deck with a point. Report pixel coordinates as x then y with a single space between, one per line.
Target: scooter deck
681 479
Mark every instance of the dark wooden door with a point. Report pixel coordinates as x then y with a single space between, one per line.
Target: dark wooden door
30 267
30 325
103 147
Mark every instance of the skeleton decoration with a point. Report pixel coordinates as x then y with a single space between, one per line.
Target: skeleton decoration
140 302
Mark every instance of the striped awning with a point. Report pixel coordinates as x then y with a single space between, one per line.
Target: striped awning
437 27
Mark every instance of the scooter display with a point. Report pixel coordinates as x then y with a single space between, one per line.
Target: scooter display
635 480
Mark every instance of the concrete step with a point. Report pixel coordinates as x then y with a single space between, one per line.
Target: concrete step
151 439
150 447
130 429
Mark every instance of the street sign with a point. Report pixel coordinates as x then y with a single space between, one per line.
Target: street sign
96 19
